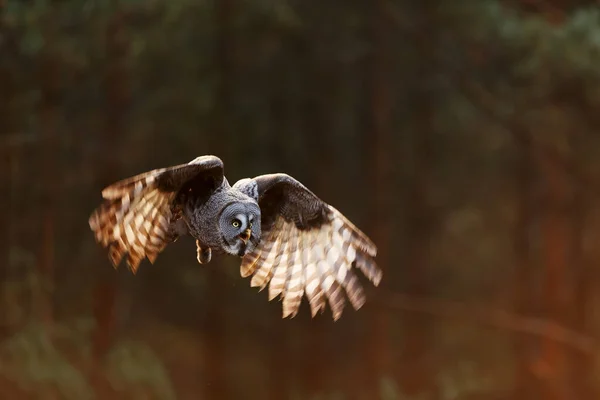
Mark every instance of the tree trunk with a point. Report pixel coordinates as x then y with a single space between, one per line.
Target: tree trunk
7 128
10 157
556 236
117 99
416 371
524 277
582 364
378 147
50 84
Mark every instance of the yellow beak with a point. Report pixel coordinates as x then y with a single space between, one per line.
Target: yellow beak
245 236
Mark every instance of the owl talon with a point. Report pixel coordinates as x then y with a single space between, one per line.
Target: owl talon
203 254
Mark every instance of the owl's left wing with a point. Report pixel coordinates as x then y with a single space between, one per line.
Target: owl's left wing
307 247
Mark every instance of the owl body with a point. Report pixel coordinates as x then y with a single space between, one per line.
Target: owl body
212 220
287 238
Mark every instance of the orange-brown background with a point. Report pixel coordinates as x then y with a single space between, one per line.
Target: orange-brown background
461 136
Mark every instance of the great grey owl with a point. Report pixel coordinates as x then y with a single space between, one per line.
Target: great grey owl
286 236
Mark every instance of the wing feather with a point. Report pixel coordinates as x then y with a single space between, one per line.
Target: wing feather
134 224
307 248
313 290
249 262
265 261
279 278
135 220
295 284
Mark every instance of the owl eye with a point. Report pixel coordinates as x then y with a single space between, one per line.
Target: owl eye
236 223
250 225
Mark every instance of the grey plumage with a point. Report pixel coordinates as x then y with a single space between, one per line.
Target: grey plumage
289 239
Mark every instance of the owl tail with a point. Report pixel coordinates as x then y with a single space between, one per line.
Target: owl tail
134 220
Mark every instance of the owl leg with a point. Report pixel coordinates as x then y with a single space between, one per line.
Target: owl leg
203 254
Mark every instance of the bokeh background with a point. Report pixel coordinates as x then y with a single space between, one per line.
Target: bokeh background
461 136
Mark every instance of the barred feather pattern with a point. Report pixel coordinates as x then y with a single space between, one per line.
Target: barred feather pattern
318 262
133 221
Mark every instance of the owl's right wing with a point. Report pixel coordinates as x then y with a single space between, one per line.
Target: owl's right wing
137 214
307 248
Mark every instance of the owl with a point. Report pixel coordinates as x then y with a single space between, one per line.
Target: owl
287 238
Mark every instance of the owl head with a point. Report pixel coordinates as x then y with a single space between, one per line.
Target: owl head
240 227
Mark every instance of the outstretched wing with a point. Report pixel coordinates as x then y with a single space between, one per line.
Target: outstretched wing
137 215
307 247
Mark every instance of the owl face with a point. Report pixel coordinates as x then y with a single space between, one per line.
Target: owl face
240 227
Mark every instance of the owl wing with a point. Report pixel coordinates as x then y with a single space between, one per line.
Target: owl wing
307 247
137 216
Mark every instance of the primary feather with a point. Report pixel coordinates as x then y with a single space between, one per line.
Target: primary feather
318 262
134 220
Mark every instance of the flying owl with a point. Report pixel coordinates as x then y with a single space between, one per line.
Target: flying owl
287 237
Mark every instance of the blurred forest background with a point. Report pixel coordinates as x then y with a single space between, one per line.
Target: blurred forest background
461 136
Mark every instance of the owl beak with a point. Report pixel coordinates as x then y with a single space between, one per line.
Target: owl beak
245 236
